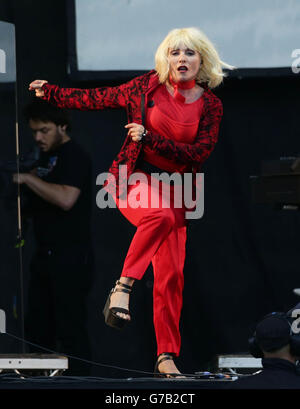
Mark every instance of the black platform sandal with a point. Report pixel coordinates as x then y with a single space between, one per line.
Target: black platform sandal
161 358
111 318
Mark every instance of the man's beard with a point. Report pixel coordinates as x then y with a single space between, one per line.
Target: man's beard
56 143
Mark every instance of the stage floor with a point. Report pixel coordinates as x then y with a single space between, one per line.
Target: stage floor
14 381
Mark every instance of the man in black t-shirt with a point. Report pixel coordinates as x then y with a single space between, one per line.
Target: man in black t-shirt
59 202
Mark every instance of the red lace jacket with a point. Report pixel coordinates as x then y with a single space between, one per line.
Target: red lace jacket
131 96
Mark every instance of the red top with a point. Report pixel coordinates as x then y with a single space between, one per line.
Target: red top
172 119
129 97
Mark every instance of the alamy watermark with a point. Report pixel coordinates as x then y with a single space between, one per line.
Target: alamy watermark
2 322
176 191
2 62
296 63
296 322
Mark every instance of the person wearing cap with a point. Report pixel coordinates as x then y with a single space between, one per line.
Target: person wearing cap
279 349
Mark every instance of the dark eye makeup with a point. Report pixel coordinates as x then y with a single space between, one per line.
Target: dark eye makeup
187 51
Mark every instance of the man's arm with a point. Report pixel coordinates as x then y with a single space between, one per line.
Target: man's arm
63 196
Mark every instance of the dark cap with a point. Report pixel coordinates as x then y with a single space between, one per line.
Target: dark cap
273 332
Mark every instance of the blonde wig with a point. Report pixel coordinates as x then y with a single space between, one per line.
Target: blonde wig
211 66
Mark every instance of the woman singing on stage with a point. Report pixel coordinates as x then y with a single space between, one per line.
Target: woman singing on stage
173 124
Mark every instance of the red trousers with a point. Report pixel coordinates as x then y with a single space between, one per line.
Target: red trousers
160 238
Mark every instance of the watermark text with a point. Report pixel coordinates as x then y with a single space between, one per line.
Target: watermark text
296 63
296 322
165 190
2 322
2 62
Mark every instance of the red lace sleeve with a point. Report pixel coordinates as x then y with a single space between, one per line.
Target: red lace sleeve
86 99
203 145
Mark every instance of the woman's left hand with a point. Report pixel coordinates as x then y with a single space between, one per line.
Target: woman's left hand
135 131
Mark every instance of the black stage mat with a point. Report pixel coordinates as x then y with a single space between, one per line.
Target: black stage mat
14 381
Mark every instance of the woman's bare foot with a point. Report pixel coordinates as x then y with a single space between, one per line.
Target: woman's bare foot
121 299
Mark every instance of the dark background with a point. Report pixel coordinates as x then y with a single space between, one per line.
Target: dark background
242 258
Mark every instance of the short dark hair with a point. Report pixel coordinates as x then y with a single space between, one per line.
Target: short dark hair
40 110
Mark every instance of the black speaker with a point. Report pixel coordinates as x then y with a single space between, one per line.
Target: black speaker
279 182
281 189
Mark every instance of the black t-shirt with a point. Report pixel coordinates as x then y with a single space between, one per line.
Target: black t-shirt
68 165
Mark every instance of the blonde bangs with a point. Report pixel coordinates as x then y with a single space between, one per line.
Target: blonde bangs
182 39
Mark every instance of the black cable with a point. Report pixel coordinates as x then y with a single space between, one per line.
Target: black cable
85 360
189 376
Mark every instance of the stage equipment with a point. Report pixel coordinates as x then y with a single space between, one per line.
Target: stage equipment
278 184
8 189
22 364
237 364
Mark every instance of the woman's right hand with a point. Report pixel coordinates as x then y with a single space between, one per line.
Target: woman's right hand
36 86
